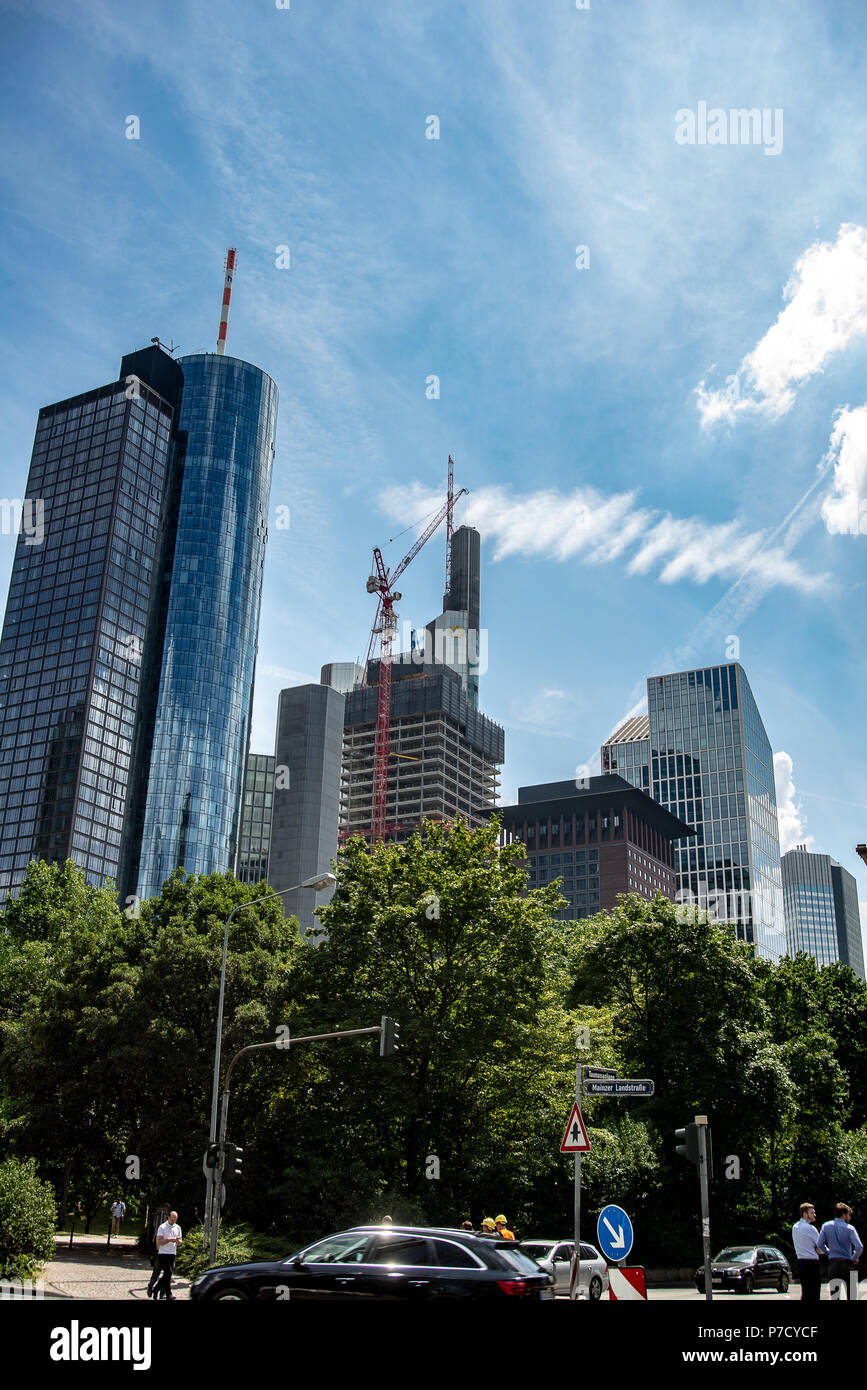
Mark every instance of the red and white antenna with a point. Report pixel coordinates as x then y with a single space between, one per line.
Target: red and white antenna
227 299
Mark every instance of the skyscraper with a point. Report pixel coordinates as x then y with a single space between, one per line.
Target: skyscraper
126 659
705 754
194 766
307 754
822 914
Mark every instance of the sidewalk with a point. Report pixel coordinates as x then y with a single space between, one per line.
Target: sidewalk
89 1270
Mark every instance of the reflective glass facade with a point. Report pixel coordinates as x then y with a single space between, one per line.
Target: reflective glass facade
80 602
256 809
711 764
821 903
198 752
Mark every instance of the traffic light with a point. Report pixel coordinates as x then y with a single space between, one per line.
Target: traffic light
687 1145
389 1036
234 1156
213 1158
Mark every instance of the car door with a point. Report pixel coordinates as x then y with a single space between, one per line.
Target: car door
398 1267
765 1269
561 1264
327 1270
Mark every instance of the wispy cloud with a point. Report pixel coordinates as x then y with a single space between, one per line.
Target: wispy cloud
790 814
596 528
826 309
844 511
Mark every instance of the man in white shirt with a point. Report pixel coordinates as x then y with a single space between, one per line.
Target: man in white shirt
118 1212
168 1240
805 1239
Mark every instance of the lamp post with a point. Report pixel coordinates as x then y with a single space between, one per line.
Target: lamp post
317 882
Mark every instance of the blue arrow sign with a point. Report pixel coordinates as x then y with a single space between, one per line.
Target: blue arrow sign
614 1233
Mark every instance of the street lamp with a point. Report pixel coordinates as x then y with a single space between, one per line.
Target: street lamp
317 882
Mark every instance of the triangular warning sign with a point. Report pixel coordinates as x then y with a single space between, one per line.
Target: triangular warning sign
575 1139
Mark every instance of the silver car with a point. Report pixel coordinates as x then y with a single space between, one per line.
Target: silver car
555 1256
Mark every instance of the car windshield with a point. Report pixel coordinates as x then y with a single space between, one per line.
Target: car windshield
736 1255
335 1250
539 1249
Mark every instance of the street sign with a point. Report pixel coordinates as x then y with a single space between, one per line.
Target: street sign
575 1140
614 1232
623 1086
626 1284
599 1073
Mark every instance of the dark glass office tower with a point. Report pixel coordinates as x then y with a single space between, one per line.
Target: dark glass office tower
822 914
75 631
196 761
711 764
254 838
126 660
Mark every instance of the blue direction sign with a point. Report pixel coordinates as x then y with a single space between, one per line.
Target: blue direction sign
614 1233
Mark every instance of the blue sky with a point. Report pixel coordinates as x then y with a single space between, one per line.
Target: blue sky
661 448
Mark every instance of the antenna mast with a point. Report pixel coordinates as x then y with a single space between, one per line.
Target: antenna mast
227 299
450 497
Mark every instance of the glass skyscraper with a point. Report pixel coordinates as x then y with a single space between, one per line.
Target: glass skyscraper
196 763
822 915
704 750
138 592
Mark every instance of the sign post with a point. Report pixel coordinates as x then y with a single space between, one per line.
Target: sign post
575 1141
703 1165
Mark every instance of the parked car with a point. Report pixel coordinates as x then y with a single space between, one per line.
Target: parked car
408 1263
555 1256
747 1267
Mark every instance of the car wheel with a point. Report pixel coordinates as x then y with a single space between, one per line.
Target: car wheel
232 1292
783 1285
595 1287
747 1284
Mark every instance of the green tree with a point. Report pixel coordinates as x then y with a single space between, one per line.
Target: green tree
27 1213
437 933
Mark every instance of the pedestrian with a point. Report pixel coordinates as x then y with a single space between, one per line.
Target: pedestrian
805 1239
502 1228
839 1240
386 1221
118 1212
468 1227
169 1237
488 1227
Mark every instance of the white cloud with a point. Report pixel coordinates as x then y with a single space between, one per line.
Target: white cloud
844 511
790 813
826 309
594 528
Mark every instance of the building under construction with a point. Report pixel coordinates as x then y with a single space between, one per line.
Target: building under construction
444 756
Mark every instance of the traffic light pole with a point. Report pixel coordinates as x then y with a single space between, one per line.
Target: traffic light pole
284 1043
701 1123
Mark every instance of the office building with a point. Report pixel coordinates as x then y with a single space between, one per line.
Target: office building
703 753
254 837
445 755
822 913
603 838
342 675
304 826
126 659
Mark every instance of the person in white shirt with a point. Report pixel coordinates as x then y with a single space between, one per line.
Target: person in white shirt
118 1212
805 1239
168 1239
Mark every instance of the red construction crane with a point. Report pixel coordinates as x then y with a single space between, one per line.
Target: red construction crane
384 627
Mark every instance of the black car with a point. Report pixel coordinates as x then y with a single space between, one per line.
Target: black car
395 1262
743 1268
